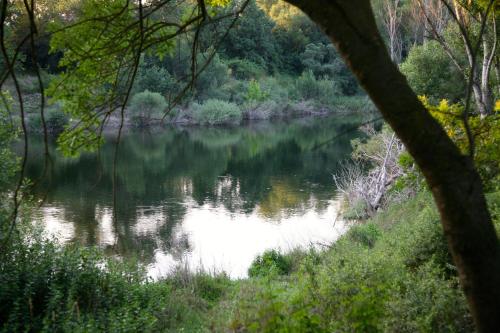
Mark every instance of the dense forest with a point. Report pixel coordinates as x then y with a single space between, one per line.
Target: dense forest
385 112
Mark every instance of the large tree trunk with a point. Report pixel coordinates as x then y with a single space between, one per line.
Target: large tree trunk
454 182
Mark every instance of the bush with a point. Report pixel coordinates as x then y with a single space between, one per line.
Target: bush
155 79
276 90
430 72
264 110
323 91
243 69
356 209
55 120
233 91
216 112
145 107
47 288
270 263
255 93
365 234
215 75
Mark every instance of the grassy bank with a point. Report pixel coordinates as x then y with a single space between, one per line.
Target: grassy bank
392 274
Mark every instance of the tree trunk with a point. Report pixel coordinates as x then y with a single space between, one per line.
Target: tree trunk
477 80
451 176
497 73
488 56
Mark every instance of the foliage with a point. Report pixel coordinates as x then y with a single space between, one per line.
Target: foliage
322 91
100 56
49 288
485 131
8 160
252 39
155 79
44 289
324 61
270 263
320 59
146 107
244 69
209 82
430 72
255 93
216 112
365 234
55 120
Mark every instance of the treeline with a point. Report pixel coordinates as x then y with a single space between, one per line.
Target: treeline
272 63
272 39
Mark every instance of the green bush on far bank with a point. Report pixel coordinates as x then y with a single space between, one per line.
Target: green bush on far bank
216 112
55 120
147 107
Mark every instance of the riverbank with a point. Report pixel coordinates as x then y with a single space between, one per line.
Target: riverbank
268 99
194 115
392 273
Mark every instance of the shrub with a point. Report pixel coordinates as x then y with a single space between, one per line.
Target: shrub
216 112
264 110
355 209
145 107
323 91
47 288
155 79
233 91
55 120
29 84
244 69
270 263
365 234
255 93
215 75
8 161
276 89
430 72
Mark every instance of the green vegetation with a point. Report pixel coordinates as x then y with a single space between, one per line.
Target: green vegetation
430 72
216 112
55 120
147 107
267 66
221 62
47 288
270 263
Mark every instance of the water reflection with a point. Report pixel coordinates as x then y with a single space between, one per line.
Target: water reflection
210 197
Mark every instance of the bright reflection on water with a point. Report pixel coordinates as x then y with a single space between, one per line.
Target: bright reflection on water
203 198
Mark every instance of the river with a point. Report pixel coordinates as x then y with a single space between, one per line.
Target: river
202 198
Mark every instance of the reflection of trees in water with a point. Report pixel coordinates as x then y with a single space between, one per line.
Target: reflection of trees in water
274 167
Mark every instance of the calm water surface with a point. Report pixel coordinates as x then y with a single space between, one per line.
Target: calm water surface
204 198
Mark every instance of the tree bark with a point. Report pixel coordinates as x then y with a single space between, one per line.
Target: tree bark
455 184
